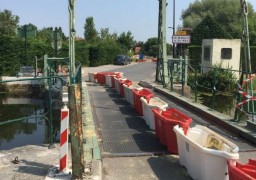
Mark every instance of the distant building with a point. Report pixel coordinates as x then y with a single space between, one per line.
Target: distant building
137 49
79 38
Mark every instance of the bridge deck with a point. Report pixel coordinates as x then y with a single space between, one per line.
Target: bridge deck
121 130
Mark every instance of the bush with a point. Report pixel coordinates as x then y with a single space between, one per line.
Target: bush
224 79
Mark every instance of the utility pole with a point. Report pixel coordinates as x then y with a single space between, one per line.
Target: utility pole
72 34
162 51
75 105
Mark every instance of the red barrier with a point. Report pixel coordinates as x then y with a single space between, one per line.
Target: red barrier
101 76
165 121
239 171
137 102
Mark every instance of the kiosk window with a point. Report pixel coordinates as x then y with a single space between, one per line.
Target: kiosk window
207 53
226 53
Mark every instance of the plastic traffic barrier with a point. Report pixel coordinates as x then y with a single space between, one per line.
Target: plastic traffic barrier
110 77
239 171
121 87
204 153
118 84
154 102
116 79
137 102
165 121
128 93
91 77
101 76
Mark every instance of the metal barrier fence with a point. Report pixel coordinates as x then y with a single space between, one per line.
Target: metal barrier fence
236 83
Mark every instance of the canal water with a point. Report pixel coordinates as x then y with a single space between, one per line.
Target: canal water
32 130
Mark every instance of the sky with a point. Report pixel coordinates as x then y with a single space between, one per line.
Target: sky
138 16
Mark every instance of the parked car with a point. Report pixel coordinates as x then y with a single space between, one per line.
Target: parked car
122 60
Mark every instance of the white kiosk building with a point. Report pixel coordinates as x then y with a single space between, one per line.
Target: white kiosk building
224 52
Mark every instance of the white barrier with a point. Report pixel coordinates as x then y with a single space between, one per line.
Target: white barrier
117 87
91 77
128 93
148 115
204 153
109 80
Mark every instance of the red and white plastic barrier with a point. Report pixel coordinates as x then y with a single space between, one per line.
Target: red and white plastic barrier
249 98
249 79
244 94
64 138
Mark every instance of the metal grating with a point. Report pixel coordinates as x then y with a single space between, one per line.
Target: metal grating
122 130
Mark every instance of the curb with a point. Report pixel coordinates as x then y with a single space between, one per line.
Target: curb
92 154
212 116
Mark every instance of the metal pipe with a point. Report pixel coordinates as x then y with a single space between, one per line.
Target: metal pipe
38 78
195 81
173 32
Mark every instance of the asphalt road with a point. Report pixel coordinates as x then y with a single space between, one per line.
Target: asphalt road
135 71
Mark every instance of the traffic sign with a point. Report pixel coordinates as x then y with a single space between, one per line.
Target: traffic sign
181 39
181 33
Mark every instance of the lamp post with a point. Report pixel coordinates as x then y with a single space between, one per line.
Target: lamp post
173 46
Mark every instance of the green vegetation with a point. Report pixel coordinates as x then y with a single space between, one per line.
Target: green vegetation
227 13
224 80
96 49
208 29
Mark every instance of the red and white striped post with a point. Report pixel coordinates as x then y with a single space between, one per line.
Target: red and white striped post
64 138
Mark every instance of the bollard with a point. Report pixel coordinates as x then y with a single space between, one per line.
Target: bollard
76 131
64 138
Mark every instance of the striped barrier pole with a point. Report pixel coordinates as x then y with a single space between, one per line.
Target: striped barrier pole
64 138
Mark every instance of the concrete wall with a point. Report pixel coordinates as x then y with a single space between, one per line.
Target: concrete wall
27 82
22 101
216 46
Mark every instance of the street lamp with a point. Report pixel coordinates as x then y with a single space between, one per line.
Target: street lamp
173 33
173 46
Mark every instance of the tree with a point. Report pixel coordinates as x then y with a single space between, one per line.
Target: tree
8 23
106 36
207 29
150 47
226 12
45 34
126 40
90 33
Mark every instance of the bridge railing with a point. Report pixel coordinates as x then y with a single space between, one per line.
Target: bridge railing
49 78
193 81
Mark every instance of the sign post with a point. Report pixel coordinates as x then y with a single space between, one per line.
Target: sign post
181 39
